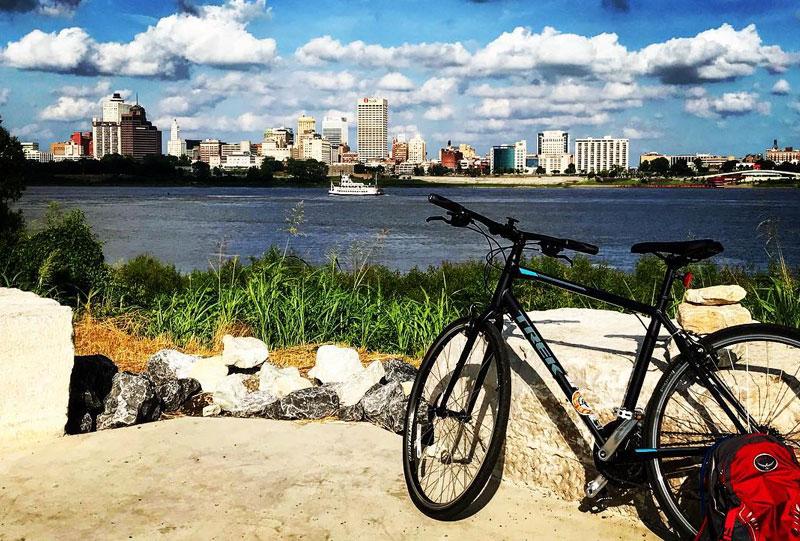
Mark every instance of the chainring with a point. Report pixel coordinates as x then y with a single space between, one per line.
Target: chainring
623 470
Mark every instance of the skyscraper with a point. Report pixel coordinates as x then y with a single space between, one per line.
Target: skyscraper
176 146
306 127
595 155
139 137
373 124
334 129
553 142
106 132
417 150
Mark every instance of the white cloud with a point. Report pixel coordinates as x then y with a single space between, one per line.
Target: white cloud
428 55
441 112
70 108
32 132
395 81
729 104
328 80
632 132
795 105
215 36
4 92
551 52
781 87
718 54
101 88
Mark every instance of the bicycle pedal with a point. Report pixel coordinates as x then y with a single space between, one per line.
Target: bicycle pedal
595 486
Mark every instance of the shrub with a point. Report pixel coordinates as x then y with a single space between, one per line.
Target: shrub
144 278
64 260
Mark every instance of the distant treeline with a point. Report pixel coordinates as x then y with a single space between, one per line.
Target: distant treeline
161 168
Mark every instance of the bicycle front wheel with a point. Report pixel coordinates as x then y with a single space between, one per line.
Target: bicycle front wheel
757 366
450 449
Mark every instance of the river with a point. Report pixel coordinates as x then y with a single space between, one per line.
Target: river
192 226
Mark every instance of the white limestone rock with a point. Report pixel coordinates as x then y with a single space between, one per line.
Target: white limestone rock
715 295
708 319
173 361
230 391
243 351
209 372
353 390
335 364
258 404
281 381
211 410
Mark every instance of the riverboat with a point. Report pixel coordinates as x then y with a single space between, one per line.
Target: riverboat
348 187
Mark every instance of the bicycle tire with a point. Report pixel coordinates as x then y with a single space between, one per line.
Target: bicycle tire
678 503
414 459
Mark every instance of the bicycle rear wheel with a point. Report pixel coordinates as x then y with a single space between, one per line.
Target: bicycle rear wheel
760 365
450 450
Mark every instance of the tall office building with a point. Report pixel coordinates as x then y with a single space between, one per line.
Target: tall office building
594 155
317 148
176 146
373 124
306 127
106 131
417 150
334 129
140 137
400 148
553 142
508 158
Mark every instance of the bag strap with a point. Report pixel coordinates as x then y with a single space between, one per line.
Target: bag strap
730 522
708 458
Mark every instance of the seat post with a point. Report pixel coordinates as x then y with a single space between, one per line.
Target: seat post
666 286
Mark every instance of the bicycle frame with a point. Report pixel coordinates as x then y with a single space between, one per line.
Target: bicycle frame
504 303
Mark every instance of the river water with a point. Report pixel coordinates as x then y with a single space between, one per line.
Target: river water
192 226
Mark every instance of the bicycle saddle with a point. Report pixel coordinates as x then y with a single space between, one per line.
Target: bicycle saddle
691 250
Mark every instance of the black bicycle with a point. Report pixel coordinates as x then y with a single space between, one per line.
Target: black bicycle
738 380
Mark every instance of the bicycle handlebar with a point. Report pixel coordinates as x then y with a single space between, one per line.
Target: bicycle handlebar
508 231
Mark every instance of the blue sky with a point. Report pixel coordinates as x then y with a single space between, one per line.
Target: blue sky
715 76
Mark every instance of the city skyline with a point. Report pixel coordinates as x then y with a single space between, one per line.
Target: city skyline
724 80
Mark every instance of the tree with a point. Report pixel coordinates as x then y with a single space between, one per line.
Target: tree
438 170
360 168
729 166
418 170
681 169
570 169
766 165
699 167
201 169
644 167
13 169
540 170
307 170
217 171
659 166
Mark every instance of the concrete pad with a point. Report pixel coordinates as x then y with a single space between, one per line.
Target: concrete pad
225 478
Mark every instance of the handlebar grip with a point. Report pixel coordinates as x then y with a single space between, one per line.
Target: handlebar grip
584 247
445 203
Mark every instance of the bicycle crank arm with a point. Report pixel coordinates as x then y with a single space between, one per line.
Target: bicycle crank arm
617 437
594 486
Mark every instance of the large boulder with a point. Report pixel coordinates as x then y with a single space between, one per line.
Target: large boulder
281 381
209 372
170 369
397 370
335 364
352 391
715 295
132 400
547 444
311 403
37 362
257 404
386 405
243 351
708 319
89 385
230 391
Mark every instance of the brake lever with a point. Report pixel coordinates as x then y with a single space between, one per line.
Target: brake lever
434 218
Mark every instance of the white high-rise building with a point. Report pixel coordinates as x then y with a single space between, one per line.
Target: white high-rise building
595 155
417 150
334 129
107 132
317 148
373 125
176 146
520 153
553 142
